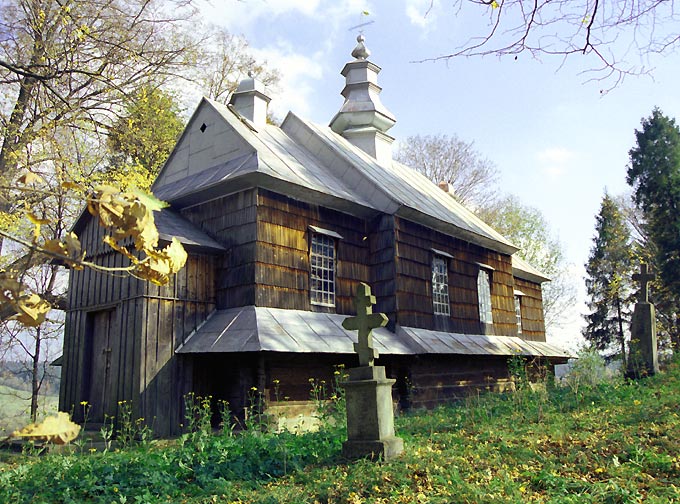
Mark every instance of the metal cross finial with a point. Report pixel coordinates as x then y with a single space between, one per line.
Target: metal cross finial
364 323
644 278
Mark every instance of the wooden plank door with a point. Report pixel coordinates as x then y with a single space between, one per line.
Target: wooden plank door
102 324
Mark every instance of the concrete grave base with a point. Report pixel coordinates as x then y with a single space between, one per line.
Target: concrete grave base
370 417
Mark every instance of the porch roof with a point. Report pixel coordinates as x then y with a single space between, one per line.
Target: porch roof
260 329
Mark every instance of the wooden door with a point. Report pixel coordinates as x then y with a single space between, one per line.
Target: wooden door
102 324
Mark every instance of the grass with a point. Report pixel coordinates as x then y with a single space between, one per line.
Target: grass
611 443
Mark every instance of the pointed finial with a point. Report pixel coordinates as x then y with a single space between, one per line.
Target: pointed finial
360 52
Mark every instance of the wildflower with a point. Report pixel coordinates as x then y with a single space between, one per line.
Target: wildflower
92 450
636 402
115 489
336 373
311 380
83 403
276 382
254 389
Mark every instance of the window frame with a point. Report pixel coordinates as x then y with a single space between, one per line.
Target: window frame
518 311
323 266
441 301
484 289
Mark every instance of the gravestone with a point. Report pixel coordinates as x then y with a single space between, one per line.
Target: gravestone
368 392
643 359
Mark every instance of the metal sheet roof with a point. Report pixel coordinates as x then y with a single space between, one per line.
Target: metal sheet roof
260 329
522 269
439 342
172 225
314 158
255 329
415 196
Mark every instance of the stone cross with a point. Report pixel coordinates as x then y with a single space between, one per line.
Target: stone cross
644 278
364 322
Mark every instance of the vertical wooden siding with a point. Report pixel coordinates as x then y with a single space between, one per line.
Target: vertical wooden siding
533 323
149 323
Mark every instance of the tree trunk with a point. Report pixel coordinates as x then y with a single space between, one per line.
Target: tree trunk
35 381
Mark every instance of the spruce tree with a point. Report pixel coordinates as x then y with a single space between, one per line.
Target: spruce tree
608 280
654 174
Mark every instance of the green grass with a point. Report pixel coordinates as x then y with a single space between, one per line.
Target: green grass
15 405
613 443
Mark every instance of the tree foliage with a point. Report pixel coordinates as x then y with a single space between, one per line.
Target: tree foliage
618 36
443 158
654 175
608 279
141 139
527 228
226 61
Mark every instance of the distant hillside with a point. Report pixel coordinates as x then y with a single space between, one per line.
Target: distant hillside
17 375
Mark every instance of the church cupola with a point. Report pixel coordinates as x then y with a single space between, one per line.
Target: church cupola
251 101
363 119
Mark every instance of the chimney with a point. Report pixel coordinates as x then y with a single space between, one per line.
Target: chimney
250 100
363 119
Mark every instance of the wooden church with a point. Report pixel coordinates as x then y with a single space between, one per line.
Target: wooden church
281 224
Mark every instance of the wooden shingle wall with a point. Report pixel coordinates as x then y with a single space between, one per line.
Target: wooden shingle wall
414 244
282 271
382 266
533 324
231 220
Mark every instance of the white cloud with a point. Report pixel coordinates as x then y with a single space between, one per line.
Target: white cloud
238 16
421 12
297 73
554 161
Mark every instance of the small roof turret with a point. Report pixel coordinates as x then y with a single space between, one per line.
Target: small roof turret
363 119
250 100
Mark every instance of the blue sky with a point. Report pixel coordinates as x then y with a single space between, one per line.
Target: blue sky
556 140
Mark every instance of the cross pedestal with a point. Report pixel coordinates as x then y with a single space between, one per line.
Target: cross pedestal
368 392
643 358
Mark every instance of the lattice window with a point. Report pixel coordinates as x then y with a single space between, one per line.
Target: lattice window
484 293
440 286
322 274
518 313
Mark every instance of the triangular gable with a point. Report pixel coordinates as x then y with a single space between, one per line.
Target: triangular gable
207 141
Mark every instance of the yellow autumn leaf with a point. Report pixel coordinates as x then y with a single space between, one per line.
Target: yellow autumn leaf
71 186
31 310
148 200
35 219
494 4
29 178
58 429
177 255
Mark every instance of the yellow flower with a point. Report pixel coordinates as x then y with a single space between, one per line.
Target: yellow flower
83 403
636 402
254 389
276 382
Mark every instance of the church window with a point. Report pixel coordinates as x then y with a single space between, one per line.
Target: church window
484 295
322 274
440 286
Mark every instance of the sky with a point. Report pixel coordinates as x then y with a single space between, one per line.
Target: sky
557 141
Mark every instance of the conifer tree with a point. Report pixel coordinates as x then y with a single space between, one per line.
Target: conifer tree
654 174
608 280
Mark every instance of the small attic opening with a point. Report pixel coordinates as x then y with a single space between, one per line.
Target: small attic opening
203 128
